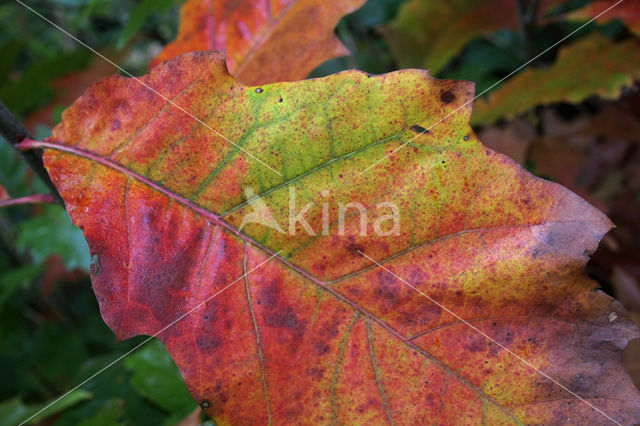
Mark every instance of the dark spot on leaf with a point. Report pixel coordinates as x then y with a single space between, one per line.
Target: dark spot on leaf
355 248
285 318
280 100
447 97
354 291
208 341
270 294
205 405
388 290
466 138
476 345
320 348
316 372
259 90
418 129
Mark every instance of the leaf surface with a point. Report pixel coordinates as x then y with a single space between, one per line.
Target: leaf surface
319 334
627 11
3 194
265 41
594 65
428 34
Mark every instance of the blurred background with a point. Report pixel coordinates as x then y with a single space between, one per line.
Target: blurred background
572 116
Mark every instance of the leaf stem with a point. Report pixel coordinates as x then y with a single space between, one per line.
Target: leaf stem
14 132
31 199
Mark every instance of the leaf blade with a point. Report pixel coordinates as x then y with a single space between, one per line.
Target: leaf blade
302 328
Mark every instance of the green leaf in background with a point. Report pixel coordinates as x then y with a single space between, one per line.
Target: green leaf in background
108 414
14 411
13 279
156 377
484 61
429 34
594 65
51 232
140 14
33 86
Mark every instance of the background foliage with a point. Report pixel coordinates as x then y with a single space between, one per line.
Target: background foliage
584 136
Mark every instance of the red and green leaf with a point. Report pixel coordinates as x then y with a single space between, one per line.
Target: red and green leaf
319 334
265 41
594 65
428 34
627 11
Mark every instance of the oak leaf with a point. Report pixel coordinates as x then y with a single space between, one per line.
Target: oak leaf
265 41
594 65
605 11
301 328
428 34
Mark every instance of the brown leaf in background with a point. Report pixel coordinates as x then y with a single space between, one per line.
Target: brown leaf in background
627 11
513 140
264 41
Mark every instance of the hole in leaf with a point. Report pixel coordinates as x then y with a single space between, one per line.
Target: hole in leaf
418 129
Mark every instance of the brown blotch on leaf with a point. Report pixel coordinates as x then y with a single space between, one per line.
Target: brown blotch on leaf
447 97
354 248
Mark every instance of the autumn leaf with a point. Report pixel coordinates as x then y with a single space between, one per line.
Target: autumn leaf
594 65
428 34
303 327
264 41
606 11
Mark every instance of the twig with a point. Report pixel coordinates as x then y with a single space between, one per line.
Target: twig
14 132
527 14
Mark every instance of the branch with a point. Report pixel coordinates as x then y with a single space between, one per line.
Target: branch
14 132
